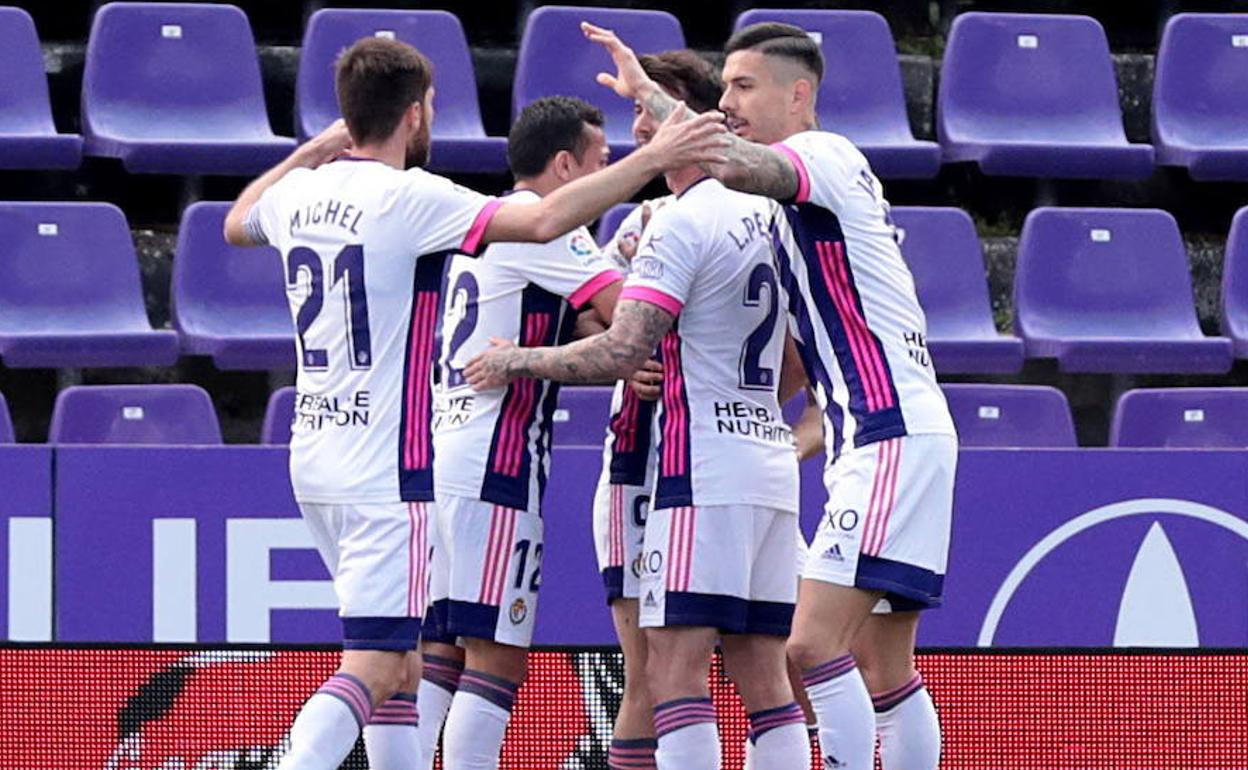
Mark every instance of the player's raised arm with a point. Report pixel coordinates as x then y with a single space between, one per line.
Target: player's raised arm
615 354
324 147
747 166
679 142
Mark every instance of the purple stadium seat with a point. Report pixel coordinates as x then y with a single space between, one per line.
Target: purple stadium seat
134 414
228 302
1214 418
1108 290
6 423
28 139
277 417
71 295
1200 96
1235 284
174 88
611 221
945 255
459 141
1010 416
1034 95
555 58
861 95
581 419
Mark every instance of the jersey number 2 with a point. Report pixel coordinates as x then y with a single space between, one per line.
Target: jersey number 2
465 293
348 263
753 376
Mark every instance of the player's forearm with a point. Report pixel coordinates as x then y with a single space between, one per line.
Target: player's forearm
586 199
613 355
757 169
235 231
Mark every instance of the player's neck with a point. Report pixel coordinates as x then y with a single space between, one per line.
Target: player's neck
806 123
392 153
683 178
543 184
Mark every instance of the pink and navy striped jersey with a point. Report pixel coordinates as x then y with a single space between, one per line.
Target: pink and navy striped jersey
852 303
707 260
363 245
494 446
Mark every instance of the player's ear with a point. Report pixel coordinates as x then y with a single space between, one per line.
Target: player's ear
414 116
562 165
803 96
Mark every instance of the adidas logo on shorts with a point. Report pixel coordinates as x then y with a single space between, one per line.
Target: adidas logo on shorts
650 602
834 553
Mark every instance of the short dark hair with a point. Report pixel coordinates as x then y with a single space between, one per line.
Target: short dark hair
377 80
689 77
546 127
784 40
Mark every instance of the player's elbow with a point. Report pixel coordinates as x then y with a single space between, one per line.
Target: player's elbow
234 232
545 228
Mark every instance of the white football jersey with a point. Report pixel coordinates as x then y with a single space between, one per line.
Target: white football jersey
707 259
852 303
364 246
494 446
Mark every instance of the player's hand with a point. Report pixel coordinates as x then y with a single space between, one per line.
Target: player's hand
491 369
683 141
331 143
630 80
647 382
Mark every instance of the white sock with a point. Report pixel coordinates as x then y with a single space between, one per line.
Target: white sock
846 718
438 684
477 722
909 727
688 738
328 725
780 739
391 737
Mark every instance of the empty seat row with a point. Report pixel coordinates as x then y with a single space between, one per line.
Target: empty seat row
985 415
1098 290
175 88
1037 416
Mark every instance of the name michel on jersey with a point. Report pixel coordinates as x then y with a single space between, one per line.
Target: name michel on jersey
314 412
738 418
329 212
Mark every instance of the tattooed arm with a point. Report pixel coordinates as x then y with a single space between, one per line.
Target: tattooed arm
613 355
750 167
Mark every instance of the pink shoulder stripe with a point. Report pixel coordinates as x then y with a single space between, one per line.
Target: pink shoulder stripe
581 297
654 297
472 241
803 178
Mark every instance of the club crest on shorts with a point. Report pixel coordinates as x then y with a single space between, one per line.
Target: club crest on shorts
518 612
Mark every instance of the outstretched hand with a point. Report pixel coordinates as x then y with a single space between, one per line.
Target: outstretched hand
630 80
491 369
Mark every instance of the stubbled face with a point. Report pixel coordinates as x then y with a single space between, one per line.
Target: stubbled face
644 124
757 98
594 157
420 144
